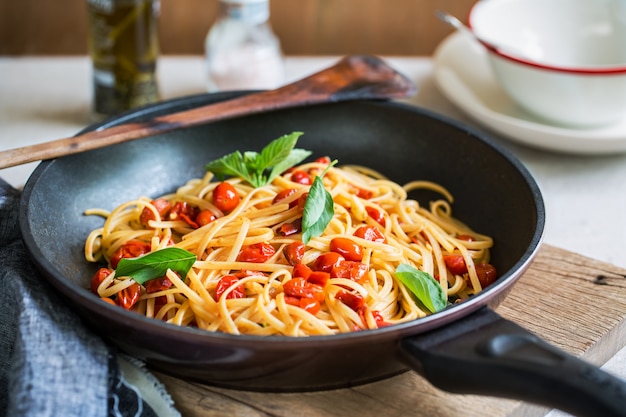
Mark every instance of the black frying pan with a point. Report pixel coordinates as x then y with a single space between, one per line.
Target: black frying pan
466 348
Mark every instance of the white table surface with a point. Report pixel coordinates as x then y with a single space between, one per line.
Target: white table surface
45 98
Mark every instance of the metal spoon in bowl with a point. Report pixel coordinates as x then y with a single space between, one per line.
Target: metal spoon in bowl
461 27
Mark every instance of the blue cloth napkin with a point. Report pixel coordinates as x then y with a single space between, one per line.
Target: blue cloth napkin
50 363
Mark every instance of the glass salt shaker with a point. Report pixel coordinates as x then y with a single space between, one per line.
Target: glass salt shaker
242 51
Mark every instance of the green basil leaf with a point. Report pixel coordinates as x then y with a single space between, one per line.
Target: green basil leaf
276 157
232 164
319 209
294 158
155 264
277 151
425 288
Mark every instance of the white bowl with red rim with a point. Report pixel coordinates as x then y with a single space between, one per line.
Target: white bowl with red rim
564 61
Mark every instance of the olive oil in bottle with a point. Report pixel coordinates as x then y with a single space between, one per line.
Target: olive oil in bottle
123 45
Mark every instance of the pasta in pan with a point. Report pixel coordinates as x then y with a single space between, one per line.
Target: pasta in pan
381 258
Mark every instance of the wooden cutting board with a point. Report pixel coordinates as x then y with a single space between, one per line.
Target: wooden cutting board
576 303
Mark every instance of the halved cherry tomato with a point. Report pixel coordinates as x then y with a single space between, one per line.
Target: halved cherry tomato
349 269
301 177
225 197
363 193
319 277
185 212
380 320
467 238
300 287
131 249
281 195
288 229
455 263
326 261
109 300
157 284
302 201
487 274
159 302
205 217
302 271
98 277
163 207
376 214
370 233
129 296
258 253
323 160
352 300
226 282
294 252
347 248
310 305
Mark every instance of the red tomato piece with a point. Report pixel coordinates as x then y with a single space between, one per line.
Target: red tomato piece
109 300
288 229
281 195
129 296
318 277
347 248
300 287
159 302
310 305
205 217
225 197
377 215
349 269
162 206
323 160
294 252
301 177
258 253
301 271
302 201
131 249
225 283
487 274
185 212
355 301
455 263
98 277
370 233
326 261
363 193
466 238
380 320
157 284
294 301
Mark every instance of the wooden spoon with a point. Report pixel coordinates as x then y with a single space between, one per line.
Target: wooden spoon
352 78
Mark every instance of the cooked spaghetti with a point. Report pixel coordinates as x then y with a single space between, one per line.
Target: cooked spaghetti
254 275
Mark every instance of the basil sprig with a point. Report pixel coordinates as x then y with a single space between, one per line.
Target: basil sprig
260 169
425 288
155 264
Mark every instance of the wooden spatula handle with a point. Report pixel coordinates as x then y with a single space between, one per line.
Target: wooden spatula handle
352 78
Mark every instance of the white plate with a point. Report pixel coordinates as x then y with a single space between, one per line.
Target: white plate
464 76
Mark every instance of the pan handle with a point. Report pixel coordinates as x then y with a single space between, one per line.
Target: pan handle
485 354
